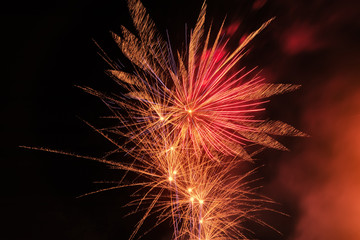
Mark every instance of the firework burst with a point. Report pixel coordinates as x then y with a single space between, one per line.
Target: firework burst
186 120
200 96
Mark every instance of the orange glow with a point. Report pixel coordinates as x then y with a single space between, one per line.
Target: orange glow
329 197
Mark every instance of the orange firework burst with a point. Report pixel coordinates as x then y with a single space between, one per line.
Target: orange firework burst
186 119
200 97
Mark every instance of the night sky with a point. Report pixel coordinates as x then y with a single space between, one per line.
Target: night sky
49 50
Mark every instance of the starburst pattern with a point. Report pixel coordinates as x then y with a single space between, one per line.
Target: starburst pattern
186 120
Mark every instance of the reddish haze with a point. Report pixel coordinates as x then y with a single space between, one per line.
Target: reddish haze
325 175
321 178
300 38
232 28
258 4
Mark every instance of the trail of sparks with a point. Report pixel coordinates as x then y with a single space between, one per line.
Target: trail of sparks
186 119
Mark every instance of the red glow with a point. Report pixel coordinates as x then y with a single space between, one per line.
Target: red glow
258 4
243 37
218 54
301 38
232 28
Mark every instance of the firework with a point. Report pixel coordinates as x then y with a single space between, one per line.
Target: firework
199 96
186 120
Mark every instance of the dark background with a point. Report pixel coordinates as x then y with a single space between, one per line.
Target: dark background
48 48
